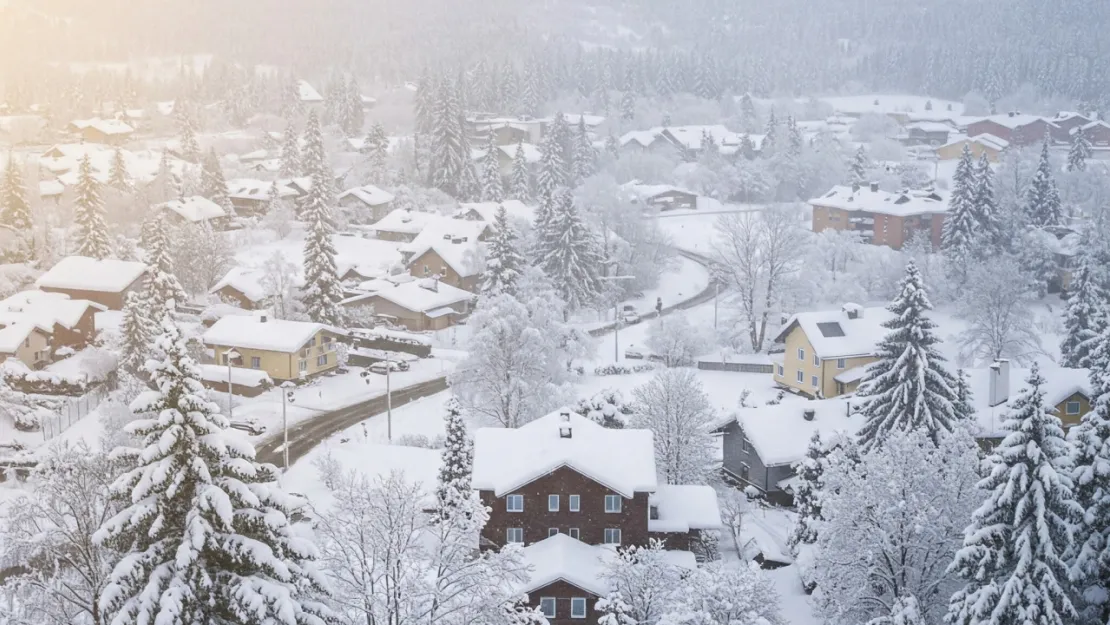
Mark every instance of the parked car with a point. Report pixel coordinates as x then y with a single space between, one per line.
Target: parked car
630 317
250 426
633 353
382 366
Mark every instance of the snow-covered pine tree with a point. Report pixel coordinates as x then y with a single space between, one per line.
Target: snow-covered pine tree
794 137
613 147
1090 472
322 292
424 103
570 255
907 388
504 261
187 130
469 188
552 168
585 156
520 181
770 138
353 115
986 209
963 408
161 291
118 178
1042 198
457 466
291 162
491 173
136 336
628 105
1085 315
15 211
376 150
206 529
88 214
614 610
806 494
449 154
959 235
314 159
1080 150
530 91
166 185
1014 548
858 168
213 183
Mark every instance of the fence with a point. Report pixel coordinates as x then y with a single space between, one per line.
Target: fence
74 409
736 367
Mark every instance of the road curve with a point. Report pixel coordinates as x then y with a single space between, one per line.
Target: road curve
306 435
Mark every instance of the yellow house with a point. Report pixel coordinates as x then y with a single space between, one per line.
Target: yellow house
286 350
827 352
26 342
987 144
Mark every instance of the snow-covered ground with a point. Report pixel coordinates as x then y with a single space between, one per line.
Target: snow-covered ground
684 280
886 103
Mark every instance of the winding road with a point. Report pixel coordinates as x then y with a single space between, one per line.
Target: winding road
306 435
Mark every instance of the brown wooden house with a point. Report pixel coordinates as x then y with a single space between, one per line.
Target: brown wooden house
1018 129
106 282
881 217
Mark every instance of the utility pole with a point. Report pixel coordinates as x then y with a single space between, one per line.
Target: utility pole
230 355
716 292
286 398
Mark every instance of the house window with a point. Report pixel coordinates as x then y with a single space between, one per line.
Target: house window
426 272
326 339
321 360
612 503
816 361
840 364
312 342
744 471
800 376
302 365
514 535
744 444
612 536
551 531
552 503
1072 408
575 503
781 371
514 503
801 353
547 606
578 607
813 380
256 362
27 342
574 533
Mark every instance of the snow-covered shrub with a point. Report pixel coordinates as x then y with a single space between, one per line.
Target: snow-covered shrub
414 440
607 408
623 369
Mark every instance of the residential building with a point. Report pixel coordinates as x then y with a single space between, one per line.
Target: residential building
761 445
520 214
286 350
106 131
559 475
687 140
418 305
244 287
403 225
881 217
1097 132
69 322
250 197
506 154
662 197
826 353
1018 129
450 249
1066 122
26 342
926 133
366 204
195 209
987 144
106 282
309 95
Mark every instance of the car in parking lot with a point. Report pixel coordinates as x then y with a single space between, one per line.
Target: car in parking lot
633 353
383 366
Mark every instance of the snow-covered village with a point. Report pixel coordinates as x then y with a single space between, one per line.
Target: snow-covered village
523 312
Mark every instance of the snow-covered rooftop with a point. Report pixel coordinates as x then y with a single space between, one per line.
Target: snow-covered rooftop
455 241
14 334
275 335
1015 120
240 376
405 221
506 459
194 208
46 309
247 281
985 139
514 209
562 558
834 335
930 126
308 93
685 507
251 189
105 126
887 104
875 200
89 274
531 152
424 295
369 195
50 188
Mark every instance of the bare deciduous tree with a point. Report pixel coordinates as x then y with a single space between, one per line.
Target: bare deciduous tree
996 305
674 407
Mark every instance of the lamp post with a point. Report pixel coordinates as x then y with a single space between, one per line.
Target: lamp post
388 398
230 355
617 317
286 398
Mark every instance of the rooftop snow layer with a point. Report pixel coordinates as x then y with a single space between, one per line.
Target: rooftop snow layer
46 309
1014 120
274 335
561 557
308 93
14 334
424 295
833 335
405 221
80 273
901 204
506 459
455 241
369 195
194 208
685 507
487 211
240 376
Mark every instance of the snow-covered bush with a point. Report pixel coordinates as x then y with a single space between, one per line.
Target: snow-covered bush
607 408
624 369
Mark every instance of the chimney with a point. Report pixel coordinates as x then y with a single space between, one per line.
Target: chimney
874 187
808 414
564 425
853 311
999 389
1011 113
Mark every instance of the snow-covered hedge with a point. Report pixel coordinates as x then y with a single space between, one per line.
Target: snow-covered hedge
22 379
623 369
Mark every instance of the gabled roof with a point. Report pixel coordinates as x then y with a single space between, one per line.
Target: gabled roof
901 204
562 558
194 209
1015 120
487 211
80 273
14 334
833 335
368 195
273 335
405 221
424 295
251 189
245 280
45 309
685 507
105 126
308 93
506 459
453 240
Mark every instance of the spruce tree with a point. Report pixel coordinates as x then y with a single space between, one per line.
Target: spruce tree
809 471
322 293
376 150
166 186
353 116
959 236
907 387
1080 151
504 261
457 466
858 169
449 153
1013 553
1085 315
613 147
424 103
88 214
118 178
491 173
15 211
213 183
963 408
204 525
552 169
570 255
136 333
628 105
520 181
161 290
291 162
585 157
1042 198
314 159
770 138
794 137
187 129
986 208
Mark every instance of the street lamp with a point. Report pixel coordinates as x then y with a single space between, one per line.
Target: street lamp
617 317
388 398
230 355
286 398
